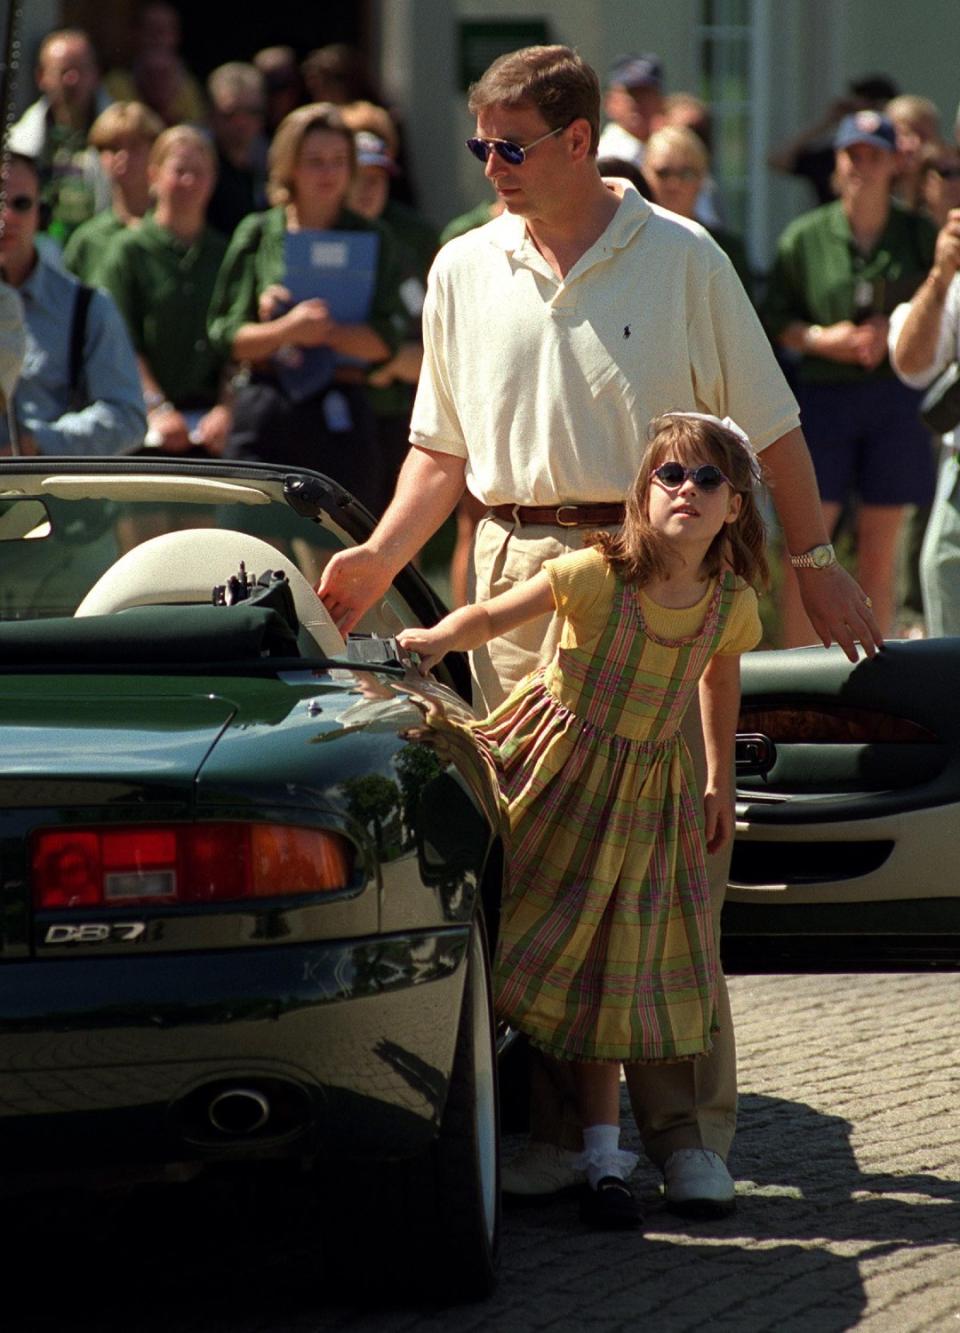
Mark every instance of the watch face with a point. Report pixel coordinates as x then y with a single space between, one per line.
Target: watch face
822 556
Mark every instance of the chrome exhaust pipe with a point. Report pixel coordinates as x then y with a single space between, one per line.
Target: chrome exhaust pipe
238 1111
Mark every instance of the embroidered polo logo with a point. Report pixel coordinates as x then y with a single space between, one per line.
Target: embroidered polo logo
626 330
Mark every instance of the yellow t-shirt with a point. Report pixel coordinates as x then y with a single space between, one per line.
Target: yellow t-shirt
583 589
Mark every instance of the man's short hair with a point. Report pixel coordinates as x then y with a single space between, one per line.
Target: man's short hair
288 141
124 120
236 78
554 79
66 34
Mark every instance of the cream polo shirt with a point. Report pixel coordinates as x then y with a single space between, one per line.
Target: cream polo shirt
546 386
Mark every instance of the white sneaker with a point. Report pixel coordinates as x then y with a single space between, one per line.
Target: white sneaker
697 1184
542 1168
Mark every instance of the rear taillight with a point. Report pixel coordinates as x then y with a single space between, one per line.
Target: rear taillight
185 863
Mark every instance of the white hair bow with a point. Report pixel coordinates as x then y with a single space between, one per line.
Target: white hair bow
727 422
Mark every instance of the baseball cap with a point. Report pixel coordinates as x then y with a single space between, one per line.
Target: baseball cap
637 71
372 151
866 127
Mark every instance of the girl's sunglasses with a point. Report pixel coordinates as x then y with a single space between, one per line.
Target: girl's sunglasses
511 152
706 477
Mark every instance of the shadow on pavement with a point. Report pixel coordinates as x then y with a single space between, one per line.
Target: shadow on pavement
232 1255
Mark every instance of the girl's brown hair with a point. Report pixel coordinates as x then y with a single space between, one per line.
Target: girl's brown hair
638 553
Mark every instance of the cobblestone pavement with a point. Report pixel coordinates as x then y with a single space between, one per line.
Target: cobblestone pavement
848 1158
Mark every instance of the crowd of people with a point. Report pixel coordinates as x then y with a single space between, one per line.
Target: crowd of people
559 318
177 198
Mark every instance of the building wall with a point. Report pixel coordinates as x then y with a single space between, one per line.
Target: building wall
814 47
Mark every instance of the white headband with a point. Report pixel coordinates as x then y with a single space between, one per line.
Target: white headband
727 422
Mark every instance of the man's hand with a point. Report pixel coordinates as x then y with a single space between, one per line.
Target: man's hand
352 582
213 429
851 344
873 341
169 428
946 256
838 610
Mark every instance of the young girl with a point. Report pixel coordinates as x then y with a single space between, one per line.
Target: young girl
607 951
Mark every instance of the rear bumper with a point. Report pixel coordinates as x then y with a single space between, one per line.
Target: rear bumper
116 1060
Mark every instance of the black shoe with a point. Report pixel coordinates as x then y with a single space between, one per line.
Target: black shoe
611 1206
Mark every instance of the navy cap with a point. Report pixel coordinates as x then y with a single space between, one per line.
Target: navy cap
642 71
866 127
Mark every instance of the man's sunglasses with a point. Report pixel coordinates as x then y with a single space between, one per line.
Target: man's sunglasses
948 173
21 203
706 477
511 152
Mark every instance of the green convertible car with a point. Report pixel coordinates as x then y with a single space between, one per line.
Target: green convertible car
250 873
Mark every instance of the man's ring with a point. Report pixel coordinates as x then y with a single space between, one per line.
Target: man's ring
868 603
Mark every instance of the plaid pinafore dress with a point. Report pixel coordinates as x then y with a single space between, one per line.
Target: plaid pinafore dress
607 949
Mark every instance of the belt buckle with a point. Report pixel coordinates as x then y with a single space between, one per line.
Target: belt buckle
564 522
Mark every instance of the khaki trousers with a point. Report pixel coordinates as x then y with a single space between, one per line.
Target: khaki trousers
691 1104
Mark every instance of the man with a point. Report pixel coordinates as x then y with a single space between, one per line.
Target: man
53 131
634 104
924 340
552 336
237 108
94 407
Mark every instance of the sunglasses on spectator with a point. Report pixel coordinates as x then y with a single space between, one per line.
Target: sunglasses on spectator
20 203
676 173
706 477
947 173
513 153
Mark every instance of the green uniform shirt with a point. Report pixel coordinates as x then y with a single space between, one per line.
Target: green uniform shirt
163 289
255 259
464 222
84 252
417 244
820 277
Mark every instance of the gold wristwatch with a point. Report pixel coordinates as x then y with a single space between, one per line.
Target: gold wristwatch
818 557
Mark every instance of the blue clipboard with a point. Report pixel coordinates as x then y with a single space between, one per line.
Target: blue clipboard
340 267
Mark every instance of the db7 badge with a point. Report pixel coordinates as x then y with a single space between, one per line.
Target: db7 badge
96 932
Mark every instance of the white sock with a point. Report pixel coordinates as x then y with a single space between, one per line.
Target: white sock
600 1145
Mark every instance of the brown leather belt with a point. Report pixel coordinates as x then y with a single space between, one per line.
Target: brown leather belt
561 516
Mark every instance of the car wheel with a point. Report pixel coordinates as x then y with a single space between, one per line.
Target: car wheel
435 1229
467 1152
